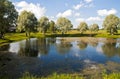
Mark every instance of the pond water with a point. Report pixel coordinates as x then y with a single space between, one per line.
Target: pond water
45 56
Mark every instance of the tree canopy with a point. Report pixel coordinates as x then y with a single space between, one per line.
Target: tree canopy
82 27
52 26
64 24
111 23
94 27
43 24
8 16
27 22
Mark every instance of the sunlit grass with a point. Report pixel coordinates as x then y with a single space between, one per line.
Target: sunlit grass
70 76
53 76
111 76
10 37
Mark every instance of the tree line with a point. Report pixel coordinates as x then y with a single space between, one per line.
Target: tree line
27 22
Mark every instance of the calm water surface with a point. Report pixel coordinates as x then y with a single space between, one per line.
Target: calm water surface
45 56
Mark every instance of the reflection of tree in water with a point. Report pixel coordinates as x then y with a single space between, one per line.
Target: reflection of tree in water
63 47
93 43
110 49
82 45
29 48
43 45
4 47
51 40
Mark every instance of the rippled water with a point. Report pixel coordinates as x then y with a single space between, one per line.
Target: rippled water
44 56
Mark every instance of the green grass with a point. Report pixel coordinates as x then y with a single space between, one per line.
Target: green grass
53 76
11 37
111 76
70 76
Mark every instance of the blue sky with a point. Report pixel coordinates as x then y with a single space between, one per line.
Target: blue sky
90 11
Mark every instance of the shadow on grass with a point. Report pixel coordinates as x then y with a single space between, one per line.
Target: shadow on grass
117 34
71 35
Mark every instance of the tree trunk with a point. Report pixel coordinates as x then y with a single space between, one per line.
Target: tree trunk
1 35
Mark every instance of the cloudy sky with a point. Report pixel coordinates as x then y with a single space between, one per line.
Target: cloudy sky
90 11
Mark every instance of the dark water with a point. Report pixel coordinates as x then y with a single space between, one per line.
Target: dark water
45 56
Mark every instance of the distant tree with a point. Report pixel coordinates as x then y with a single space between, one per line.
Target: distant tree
64 24
43 24
52 26
82 27
94 27
110 23
27 22
8 16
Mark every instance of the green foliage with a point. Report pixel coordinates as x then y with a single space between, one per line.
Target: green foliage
52 26
94 27
8 16
118 26
64 24
110 23
82 27
27 22
43 24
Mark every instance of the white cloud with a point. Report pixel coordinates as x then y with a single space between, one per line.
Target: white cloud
67 13
34 8
90 19
77 14
94 19
89 5
78 6
105 12
78 20
88 1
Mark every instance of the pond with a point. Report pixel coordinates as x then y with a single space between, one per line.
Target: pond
44 56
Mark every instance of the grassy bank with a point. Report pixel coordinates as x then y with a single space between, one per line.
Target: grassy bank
11 37
71 76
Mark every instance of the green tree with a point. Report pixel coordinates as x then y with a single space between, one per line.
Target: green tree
27 22
52 26
119 25
64 24
8 16
110 23
94 27
43 24
82 27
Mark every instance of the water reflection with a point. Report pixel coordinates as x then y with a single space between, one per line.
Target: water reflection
111 49
43 46
82 45
29 48
63 46
48 55
5 47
